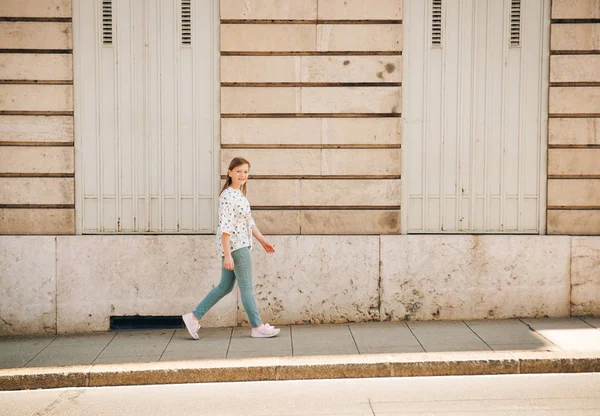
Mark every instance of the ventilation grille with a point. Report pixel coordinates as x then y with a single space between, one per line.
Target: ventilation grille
436 23
515 23
107 25
186 22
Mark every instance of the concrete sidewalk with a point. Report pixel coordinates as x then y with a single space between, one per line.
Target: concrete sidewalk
376 349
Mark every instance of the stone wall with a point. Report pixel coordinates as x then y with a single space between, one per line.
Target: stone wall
36 118
311 95
71 284
574 123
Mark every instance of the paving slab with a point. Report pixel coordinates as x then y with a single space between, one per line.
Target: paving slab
212 344
323 340
244 346
18 351
436 336
595 322
570 334
382 335
510 334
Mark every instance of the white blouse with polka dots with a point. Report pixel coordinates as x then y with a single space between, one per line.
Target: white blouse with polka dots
235 219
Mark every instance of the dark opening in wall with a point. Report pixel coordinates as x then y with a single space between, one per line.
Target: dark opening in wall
146 322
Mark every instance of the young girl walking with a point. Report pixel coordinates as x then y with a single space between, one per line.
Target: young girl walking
234 241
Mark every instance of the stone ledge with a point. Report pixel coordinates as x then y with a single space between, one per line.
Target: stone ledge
300 368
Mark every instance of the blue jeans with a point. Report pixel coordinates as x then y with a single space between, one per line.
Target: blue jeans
242 270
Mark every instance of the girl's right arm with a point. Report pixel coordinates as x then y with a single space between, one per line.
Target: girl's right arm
227 259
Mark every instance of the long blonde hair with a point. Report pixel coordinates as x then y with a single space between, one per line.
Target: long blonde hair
235 162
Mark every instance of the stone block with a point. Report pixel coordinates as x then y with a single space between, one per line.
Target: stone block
36 159
103 276
585 276
575 68
383 131
350 192
283 162
274 192
351 100
37 191
350 221
474 277
574 162
351 69
575 37
359 37
38 66
362 162
574 100
317 279
268 9
36 35
250 100
260 68
26 97
574 131
268 38
575 9
360 10
574 192
40 221
277 221
574 222
36 8
377 131
28 285
271 131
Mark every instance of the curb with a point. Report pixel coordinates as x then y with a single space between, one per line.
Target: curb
300 368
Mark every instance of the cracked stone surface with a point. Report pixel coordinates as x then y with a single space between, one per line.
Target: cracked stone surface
474 277
100 276
585 276
28 284
316 279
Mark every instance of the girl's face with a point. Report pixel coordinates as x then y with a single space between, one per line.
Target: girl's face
239 175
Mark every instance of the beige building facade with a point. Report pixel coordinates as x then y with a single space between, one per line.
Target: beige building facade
109 176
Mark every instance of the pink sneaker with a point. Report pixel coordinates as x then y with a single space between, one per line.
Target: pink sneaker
192 325
264 331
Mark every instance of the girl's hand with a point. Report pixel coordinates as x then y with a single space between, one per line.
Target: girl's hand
228 262
269 248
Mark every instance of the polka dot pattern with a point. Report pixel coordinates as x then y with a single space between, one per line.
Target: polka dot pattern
235 219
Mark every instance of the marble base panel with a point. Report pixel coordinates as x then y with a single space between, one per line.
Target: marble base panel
430 277
585 276
27 285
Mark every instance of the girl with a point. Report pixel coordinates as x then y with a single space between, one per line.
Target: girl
234 240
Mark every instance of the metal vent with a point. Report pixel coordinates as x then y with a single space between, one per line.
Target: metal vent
186 22
436 23
515 23
107 26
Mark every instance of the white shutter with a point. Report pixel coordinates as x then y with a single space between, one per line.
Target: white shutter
474 111
146 115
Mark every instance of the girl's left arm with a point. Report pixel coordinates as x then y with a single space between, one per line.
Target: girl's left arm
269 248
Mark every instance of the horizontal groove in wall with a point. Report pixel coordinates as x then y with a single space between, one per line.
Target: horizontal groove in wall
311 84
570 177
582 52
35 19
310 146
575 84
36 113
325 207
309 115
35 206
570 21
309 22
311 53
574 146
574 115
37 175
33 144
322 177
573 208
49 51
35 82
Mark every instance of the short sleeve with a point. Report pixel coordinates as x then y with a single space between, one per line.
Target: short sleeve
226 214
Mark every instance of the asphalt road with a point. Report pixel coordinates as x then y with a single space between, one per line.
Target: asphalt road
544 394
